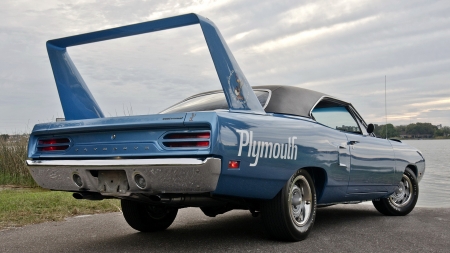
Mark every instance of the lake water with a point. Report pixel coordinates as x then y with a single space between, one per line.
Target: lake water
434 188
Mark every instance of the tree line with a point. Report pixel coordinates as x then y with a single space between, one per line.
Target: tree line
414 130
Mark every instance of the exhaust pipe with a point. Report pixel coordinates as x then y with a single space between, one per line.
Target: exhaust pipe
88 195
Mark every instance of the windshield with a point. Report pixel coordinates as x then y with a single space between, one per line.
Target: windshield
211 102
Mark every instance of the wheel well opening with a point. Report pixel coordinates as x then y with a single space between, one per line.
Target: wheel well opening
414 169
319 176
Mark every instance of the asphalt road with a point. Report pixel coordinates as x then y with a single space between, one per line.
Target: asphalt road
341 228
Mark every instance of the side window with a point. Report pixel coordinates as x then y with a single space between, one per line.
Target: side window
336 117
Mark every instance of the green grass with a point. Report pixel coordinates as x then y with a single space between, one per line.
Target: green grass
18 180
13 168
24 206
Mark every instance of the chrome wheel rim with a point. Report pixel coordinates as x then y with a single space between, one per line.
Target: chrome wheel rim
300 200
403 194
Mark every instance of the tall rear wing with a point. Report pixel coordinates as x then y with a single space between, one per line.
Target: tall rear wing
77 101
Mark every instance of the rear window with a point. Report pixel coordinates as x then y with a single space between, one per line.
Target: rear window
211 102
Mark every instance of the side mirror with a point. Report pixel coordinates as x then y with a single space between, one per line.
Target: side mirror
370 128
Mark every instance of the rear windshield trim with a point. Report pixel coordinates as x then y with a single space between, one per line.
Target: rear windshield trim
216 92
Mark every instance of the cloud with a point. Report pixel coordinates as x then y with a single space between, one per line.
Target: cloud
342 48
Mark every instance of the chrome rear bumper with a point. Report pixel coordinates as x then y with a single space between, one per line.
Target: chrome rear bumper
121 177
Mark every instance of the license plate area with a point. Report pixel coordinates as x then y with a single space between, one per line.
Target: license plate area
112 182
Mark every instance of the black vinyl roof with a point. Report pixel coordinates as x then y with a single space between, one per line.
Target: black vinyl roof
291 100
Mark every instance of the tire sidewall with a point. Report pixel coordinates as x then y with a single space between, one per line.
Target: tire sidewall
410 206
137 215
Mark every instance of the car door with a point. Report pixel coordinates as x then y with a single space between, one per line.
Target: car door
372 160
372 163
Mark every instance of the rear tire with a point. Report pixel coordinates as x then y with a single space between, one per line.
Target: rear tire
403 200
147 218
291 214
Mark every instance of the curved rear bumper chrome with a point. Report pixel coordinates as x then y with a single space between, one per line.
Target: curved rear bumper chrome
122 177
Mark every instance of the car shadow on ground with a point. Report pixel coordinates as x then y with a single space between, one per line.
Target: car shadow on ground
234 229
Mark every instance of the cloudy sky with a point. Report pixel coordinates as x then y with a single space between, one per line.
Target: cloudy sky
341 48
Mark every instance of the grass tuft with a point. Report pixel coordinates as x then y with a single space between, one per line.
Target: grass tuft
29 206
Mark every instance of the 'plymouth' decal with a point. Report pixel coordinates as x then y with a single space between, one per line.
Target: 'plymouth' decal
266 149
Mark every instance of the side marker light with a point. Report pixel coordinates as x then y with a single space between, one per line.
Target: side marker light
233 164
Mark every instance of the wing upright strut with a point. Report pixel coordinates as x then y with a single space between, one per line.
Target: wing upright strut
78 102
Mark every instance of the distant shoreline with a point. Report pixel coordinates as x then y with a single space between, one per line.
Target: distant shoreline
421 139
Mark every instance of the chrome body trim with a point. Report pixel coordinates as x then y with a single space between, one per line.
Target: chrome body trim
268 97
322 98
118 162
217 92
175 175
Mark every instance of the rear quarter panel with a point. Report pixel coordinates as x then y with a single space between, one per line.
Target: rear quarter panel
316 148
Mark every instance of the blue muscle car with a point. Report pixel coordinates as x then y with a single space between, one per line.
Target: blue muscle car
277 151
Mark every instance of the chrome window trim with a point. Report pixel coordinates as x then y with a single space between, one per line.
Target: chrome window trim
322 98
190 98
359 120
268 98
216 92
350 109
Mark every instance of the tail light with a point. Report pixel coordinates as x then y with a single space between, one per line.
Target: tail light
186 144
187 140
199 135
54 144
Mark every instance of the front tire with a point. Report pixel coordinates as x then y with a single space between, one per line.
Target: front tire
403 200
147 218
291 214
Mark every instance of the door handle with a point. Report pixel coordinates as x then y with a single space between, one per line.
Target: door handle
352 142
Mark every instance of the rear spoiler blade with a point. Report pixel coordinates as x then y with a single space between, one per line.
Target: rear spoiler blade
78 102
